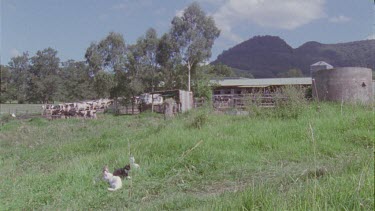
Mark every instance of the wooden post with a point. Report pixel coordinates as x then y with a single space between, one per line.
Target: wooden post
152 103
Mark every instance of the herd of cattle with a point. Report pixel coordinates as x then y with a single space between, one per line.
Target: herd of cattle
86 109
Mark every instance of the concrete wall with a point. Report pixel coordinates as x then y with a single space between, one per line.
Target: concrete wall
350 84
186 100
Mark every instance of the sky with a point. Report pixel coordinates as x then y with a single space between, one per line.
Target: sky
69 26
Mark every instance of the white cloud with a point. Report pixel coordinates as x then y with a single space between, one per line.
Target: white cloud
14 52
371 37
339 19
286 14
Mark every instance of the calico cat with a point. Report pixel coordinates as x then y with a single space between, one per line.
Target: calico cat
114 181
122 172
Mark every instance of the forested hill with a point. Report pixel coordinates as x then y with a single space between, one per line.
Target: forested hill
270 56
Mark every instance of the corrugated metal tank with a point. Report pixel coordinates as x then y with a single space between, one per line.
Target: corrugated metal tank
350 84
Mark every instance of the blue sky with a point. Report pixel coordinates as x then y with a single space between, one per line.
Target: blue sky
69 26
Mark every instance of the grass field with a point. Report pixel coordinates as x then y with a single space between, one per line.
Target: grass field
20 108
321 160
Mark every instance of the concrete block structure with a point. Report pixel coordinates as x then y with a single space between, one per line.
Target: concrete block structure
347 84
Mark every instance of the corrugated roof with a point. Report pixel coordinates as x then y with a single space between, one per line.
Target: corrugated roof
262 82
321 63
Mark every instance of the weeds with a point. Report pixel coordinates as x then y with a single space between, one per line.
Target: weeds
5 118
290 102
287 103
200 120
230 163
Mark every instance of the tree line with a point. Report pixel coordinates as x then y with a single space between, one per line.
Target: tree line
112 68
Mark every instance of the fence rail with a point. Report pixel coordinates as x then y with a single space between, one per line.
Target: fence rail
20 109
241 101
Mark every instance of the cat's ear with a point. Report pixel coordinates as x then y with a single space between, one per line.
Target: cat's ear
105 168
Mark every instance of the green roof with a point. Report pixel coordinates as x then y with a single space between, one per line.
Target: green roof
261 82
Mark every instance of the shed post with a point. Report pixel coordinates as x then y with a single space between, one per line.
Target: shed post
152 103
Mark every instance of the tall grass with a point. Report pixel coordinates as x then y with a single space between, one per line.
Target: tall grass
198 160
289 102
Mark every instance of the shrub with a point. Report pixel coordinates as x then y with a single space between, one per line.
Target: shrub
253 104
200 120
3 98
308 93
290 102
6 118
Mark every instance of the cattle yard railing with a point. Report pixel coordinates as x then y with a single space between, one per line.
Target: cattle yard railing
241 101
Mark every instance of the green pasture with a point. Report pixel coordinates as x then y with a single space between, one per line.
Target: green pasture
320 159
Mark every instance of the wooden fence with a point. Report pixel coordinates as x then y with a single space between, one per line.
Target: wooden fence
20 109
241 101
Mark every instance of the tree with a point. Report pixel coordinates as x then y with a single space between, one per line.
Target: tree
5 84
243 73
112 49
44 81
103 84
292 73
201 86
77 83
221 70
168 61
135 67
149 45
20 67
94 59
108 55
195 33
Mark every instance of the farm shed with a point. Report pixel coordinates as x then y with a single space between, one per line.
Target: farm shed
247 85
321 65
184 99
235 92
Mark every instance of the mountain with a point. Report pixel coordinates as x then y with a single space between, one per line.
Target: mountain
270 56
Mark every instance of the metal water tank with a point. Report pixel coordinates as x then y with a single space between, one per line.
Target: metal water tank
348 84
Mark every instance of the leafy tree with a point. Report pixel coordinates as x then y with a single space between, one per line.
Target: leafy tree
148 46
19 67
77 83
103 84
169 62
201 86
94 59
112 49
135 71
243 73
108 55
292 73
221 70
5 84
44 81
194 33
